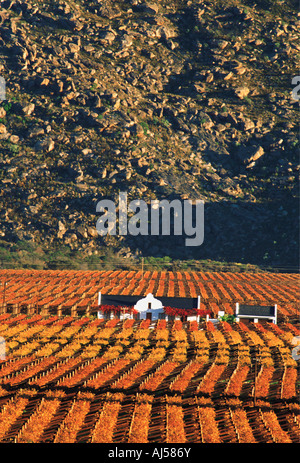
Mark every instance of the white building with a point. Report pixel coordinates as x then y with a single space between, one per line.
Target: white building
150 307
147 307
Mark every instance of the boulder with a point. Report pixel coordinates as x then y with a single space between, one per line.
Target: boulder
242 92
248 154
151 8
61 230
35 132
248 125
47 144
28 109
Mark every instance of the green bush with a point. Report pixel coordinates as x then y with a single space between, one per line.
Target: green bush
228 318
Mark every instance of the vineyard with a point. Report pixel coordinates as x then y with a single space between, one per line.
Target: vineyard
69 379
70 292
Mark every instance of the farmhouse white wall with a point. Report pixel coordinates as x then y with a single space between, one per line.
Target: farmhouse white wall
149 304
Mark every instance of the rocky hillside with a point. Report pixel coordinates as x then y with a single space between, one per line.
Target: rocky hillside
165 99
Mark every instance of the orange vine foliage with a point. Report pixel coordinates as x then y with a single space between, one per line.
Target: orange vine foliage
33 429
154 381
241 423
107 374
236 381
103 431
140 421
130 378
209 428
196 378
74 420
208 383
263 381
288 387
182 381
271 421
10 413
175 424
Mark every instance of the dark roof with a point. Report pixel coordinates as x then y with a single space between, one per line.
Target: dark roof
257 310
179 302
175 302
115 300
